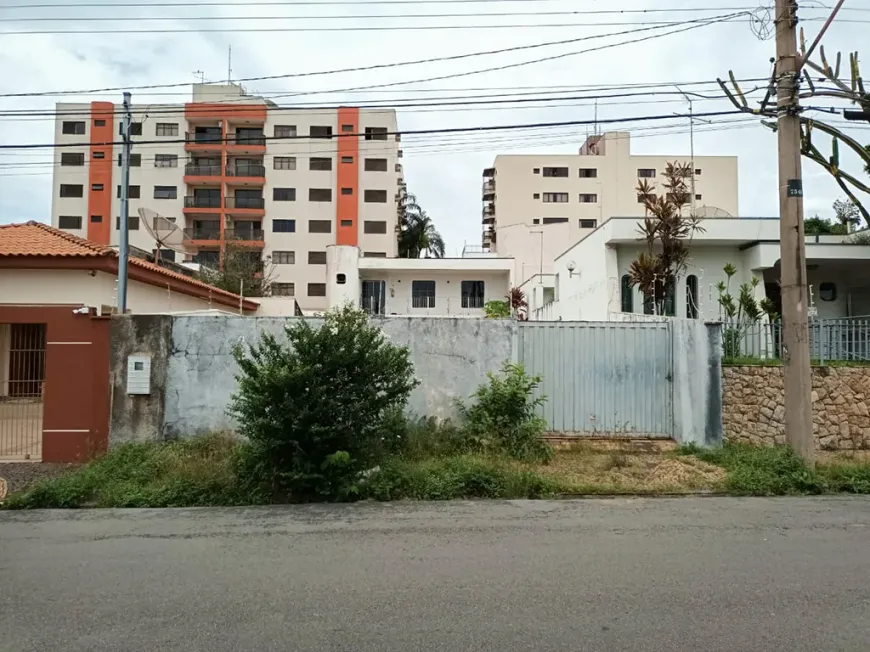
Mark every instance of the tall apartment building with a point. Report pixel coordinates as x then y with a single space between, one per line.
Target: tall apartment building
283 182
535 206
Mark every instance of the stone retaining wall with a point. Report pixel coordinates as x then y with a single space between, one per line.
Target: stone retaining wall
753 406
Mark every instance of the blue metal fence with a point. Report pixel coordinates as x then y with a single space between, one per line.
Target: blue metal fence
846 339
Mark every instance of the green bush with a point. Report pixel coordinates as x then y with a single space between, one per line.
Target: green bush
418 438
188 473
326 390
503 416
763 471
446 478
497 309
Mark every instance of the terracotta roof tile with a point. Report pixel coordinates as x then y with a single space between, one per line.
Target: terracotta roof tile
37 239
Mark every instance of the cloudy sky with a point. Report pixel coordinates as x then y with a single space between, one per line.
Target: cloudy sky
444 170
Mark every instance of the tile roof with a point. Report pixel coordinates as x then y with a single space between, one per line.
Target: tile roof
38 239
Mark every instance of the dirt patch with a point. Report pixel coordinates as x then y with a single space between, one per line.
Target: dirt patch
19 476
620 471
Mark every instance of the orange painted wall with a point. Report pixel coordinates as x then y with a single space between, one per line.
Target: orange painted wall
100 171
347 206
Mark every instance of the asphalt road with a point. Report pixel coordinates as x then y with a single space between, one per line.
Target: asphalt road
729 575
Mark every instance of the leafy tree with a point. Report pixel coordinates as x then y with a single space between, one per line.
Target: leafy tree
847 214
242 270
820 226
666 232
519 305
313 407
417 232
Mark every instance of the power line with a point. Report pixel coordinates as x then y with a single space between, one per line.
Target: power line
266 3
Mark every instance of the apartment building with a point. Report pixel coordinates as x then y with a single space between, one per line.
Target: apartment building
535 206
284 182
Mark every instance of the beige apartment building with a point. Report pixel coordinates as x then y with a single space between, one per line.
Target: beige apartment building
536 206
283 182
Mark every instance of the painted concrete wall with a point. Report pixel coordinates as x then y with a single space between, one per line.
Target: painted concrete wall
697 380
43 286
451 358
591 291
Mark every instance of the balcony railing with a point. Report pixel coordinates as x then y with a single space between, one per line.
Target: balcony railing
488 187
203 139
247 139
250 235
246 170
245 202
202 202
488 210
202 170
203 233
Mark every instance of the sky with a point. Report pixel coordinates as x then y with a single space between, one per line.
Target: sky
443 170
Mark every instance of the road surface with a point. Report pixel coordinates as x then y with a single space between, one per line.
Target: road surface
711 574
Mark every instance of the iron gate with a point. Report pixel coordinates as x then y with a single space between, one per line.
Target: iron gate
22 372
608 379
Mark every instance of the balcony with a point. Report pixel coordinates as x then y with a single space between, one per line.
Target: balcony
246 143
203 236
200 204
246 235
203 141
489 173
255 206
202 170
488 210
489 190
246 173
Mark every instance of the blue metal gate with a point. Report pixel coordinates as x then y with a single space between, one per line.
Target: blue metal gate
602 379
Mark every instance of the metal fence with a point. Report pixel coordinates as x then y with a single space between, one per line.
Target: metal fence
22 372
846 339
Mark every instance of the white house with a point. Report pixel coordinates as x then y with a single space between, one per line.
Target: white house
590 280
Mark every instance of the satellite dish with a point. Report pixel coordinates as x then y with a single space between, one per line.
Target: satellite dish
711 211
166 234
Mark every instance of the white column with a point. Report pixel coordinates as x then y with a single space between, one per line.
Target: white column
342 275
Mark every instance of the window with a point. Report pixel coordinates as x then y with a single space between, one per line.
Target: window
537 195
692 297
167 129
132 192
670 301
536 221
165 254
626 294
347 191
588 224
320 164
375 165
166 160
99 123
284 162
208 258
347 222
283 194
71 190
348 129
588 173
422 294
646 173
472 294
555 220
319 132
375 196
96 219
697 172
283 226
588 198
132 223
135 160
72 158
97 187
284 257
555 172
828 292
316 257
648 305
135 128
376 133
555 198
536 170
341 279
697 197
283 289
374 227
285 131
69 222
73 128
317 289
374 254
320 194
374 295
165 192
320 226
99 155
347 159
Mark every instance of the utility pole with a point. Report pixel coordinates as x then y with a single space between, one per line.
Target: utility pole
124 249
691 141
793 264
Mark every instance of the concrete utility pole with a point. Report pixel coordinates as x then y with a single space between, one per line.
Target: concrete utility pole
691 141
793 264
124 248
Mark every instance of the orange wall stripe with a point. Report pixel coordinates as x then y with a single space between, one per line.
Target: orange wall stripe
100 172
347 206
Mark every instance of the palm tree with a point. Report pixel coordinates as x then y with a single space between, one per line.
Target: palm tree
416 231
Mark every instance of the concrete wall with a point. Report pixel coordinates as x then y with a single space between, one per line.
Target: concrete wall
754 406
697 382
138 417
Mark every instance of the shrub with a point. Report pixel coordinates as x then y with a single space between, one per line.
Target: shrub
504 418
327 390
763 471
497 309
